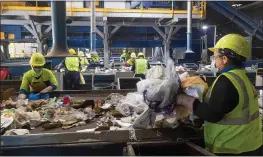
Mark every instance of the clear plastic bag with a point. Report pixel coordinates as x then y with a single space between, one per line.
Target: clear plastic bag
157 72
129 104
161 92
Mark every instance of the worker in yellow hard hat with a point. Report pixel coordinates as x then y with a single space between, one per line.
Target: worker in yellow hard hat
140 66
230 109
123 55
38 81
131 61
72 65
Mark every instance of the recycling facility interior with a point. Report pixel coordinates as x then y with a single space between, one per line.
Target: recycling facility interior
109 112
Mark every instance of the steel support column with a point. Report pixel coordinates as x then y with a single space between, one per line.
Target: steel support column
40 43
144 51
106 43
5 54
92 27
189 27
167 41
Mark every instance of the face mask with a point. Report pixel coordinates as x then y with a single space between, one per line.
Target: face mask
37 70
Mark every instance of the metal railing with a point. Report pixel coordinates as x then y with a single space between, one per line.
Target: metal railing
201 10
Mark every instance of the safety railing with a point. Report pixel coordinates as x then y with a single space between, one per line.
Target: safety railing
200 10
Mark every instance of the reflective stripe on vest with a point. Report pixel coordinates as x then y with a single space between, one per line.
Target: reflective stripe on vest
245 119
140 66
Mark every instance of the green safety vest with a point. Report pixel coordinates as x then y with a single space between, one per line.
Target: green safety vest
72 63
240 130
141 66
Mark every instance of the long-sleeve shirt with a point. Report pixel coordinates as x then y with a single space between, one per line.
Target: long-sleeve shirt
31 78
224 98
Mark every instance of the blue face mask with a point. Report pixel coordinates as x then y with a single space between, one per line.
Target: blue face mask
37 70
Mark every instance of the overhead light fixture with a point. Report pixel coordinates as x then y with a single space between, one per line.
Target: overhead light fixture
236 5
204 27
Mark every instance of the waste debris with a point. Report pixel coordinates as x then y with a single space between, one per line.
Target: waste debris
151 106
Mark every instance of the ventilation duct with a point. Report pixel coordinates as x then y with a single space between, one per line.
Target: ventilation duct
59 30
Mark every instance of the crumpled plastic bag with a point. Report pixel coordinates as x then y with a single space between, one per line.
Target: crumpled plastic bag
157 72
137 113
17 132
159 93
130 103
194 86
21 102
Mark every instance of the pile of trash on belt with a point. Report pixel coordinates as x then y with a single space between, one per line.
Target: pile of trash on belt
152 106
46 113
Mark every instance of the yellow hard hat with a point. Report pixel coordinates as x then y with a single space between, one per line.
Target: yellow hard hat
234 42
81 53
133 55
72 51
124 51
37 59
140 54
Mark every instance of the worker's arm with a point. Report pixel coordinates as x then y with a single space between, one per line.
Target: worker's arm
53 82
224 98
24 87
61 65
133 67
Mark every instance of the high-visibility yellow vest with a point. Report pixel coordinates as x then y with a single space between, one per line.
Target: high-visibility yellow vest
240 130
141 66
33 82
72 63
129 62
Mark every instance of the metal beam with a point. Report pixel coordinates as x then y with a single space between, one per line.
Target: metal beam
176 29
106 45
47 30
170 33
35 30
116 28
160 32
99 32
13 22
172 21
32 32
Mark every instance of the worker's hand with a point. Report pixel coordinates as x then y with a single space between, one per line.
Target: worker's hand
83 70
185 100
46 90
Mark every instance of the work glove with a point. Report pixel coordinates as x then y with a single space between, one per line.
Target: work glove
44 96
34 96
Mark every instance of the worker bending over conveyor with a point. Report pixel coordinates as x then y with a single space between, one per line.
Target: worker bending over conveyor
140 66
72 72
38 81
231 110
